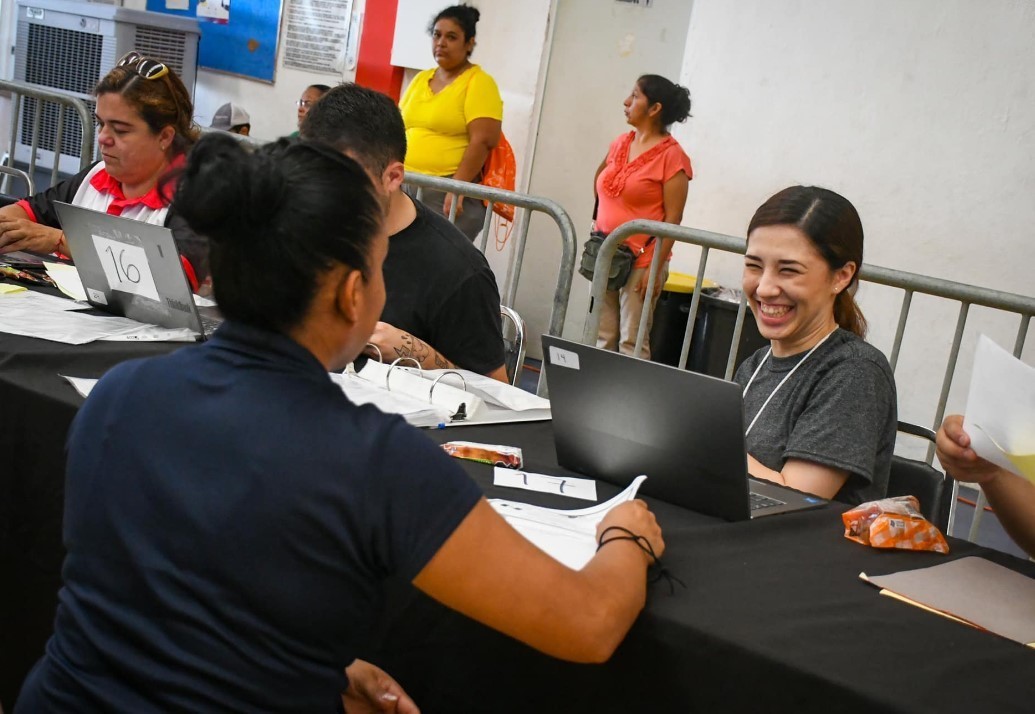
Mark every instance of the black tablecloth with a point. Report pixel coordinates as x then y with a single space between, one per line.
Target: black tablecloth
773 616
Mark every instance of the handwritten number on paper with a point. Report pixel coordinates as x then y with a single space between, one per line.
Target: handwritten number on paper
124 268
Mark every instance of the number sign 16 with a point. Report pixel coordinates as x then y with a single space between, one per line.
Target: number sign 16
125 267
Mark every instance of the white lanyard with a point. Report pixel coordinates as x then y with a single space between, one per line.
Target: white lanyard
782 381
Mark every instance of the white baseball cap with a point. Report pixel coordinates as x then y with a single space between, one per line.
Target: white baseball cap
228 116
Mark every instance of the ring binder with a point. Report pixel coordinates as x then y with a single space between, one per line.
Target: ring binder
461 412
394 364
380 357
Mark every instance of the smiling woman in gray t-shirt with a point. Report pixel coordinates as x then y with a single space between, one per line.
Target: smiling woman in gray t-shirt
819 403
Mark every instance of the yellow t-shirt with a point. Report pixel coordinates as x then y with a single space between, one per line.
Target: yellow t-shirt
436 124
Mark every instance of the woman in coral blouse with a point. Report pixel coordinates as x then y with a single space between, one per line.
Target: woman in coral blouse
453 115
645 175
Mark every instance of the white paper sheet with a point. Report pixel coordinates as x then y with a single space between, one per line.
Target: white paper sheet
126 267
154 333
83 385
584 488
1000 415
568 536
52 318
67 279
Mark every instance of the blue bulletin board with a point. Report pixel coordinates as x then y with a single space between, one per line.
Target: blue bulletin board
245 45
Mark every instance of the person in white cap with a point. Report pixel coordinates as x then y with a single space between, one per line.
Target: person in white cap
232 118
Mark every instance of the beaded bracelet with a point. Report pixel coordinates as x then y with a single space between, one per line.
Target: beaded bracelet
643 544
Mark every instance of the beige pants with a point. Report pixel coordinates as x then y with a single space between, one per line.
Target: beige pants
620 315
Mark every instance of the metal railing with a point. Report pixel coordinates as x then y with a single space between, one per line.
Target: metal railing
8 171
36 101
910 283
526 205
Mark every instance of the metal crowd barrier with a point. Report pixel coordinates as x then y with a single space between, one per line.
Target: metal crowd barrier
910 283
526 205
30 185
36 101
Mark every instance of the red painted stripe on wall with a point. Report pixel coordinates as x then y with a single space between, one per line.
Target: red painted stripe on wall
374 67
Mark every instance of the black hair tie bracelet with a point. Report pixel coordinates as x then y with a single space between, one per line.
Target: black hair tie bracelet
659 570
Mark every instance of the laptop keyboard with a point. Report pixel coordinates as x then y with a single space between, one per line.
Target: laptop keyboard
209 324
759 501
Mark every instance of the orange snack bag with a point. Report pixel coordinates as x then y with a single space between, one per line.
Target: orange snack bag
494 454
893 523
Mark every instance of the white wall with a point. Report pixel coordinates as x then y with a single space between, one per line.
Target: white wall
599 48
922 113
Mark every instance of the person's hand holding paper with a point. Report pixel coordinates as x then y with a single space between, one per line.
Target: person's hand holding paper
997 440
1000 416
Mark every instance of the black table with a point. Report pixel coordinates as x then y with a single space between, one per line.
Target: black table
773 616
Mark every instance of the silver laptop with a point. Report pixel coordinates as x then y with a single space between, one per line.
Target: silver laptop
615 417
132 269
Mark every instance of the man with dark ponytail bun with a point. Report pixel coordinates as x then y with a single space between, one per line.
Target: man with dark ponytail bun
443 305
819 403
232 519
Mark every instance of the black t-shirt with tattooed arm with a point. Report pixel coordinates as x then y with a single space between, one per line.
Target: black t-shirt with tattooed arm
440 288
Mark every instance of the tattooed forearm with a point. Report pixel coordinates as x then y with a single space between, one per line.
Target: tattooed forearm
418 349
413 347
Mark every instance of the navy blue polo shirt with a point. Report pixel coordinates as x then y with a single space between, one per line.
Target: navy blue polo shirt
230 517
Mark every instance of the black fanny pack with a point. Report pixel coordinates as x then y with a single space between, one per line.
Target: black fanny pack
621 263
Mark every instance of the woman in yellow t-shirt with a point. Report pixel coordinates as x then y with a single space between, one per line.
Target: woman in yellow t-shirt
453 115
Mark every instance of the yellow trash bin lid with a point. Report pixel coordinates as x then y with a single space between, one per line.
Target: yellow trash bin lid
683 283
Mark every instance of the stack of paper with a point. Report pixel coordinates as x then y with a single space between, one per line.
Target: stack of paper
569 536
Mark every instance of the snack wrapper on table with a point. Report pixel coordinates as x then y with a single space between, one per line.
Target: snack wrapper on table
493 454
893 523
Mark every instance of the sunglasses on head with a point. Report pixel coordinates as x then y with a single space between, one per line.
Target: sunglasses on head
143 66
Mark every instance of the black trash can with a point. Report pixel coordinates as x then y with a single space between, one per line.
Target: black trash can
713 329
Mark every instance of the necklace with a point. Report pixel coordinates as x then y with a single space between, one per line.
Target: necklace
782 381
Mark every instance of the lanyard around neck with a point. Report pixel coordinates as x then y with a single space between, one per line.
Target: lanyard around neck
782 381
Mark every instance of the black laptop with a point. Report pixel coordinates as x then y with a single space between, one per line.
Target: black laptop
615 417
132 269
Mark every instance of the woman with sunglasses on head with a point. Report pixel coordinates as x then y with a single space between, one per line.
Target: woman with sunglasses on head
144 127
453 115
819 403
644 175
243 573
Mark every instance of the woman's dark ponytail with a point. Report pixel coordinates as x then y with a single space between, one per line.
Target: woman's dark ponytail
673 98
278 218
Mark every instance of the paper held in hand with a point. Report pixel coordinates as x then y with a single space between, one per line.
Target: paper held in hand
569 536
1000 415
